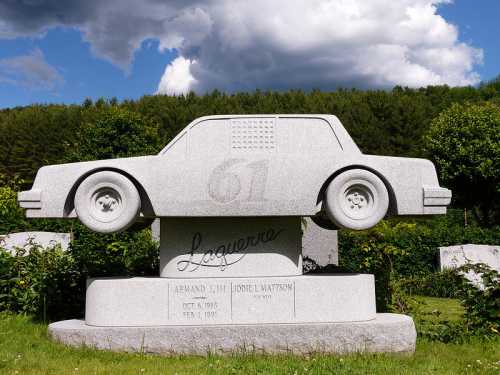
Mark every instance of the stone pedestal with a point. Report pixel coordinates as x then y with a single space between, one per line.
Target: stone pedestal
260 300
233 284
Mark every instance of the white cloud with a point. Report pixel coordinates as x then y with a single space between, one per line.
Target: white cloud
31 71
177 78
326 44
278 44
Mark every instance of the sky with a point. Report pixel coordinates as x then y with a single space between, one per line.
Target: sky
54 51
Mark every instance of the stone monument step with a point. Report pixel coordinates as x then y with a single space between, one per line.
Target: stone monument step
385 333
140 301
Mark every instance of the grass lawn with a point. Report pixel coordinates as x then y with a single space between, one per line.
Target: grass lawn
25 349
434 309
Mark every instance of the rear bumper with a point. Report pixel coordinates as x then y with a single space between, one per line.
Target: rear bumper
436 196
30 199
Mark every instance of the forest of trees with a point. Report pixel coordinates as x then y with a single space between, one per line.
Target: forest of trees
381 122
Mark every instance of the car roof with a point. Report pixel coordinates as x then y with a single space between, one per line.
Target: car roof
341 134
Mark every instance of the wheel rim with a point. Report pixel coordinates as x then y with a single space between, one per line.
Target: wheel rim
106 204
357 201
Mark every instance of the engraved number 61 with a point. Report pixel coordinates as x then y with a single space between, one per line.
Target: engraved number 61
225 186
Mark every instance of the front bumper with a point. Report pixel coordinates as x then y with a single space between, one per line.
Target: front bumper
30 199
436 199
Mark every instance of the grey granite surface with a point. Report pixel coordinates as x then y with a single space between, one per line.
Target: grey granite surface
386 333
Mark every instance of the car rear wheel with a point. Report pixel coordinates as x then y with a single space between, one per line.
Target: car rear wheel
356 199
107 202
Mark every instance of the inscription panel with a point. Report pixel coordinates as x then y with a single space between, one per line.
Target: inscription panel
199 302
253 299
230 247
228 301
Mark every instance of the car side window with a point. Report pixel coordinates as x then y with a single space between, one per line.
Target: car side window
209 137
177 149
306 135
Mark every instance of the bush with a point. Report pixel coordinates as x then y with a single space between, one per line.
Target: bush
445 284
50 283
45 283
482 303
117 133
121 254
397 249
11 215
464 142
374 251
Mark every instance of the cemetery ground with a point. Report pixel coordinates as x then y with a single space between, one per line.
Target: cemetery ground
26 349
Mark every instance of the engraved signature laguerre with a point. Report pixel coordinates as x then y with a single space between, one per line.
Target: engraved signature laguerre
218 255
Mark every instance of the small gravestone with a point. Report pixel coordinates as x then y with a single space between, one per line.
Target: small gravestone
231 192
318 244
459 255
13 241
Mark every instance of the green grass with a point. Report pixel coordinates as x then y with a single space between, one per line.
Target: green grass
434 309
25 349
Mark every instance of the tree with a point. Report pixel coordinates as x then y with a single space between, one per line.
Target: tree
464 142
116 133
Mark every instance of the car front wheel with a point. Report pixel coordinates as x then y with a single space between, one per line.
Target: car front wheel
356 199
107 202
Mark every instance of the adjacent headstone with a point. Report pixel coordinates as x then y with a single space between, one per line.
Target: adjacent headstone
155 230
459 255
318 244
13 241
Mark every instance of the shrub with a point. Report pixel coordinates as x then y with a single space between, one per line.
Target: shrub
121 254
45 283
397 249
482 303
50 283
374 251
464 142
11 215
445 284
117 133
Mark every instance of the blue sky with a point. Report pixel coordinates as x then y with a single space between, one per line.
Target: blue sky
44 60
85 76
479 24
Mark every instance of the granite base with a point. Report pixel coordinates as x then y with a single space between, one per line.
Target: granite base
158 301
385 333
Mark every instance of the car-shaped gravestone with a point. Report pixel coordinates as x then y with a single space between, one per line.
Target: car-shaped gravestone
258 165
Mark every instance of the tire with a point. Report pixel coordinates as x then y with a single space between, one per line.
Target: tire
323 221
107 202
356 199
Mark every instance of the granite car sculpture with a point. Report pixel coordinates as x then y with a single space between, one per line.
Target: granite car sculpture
258 165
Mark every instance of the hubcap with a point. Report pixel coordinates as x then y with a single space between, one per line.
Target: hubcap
357 201
106 204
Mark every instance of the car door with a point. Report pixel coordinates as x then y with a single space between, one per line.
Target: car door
256 165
